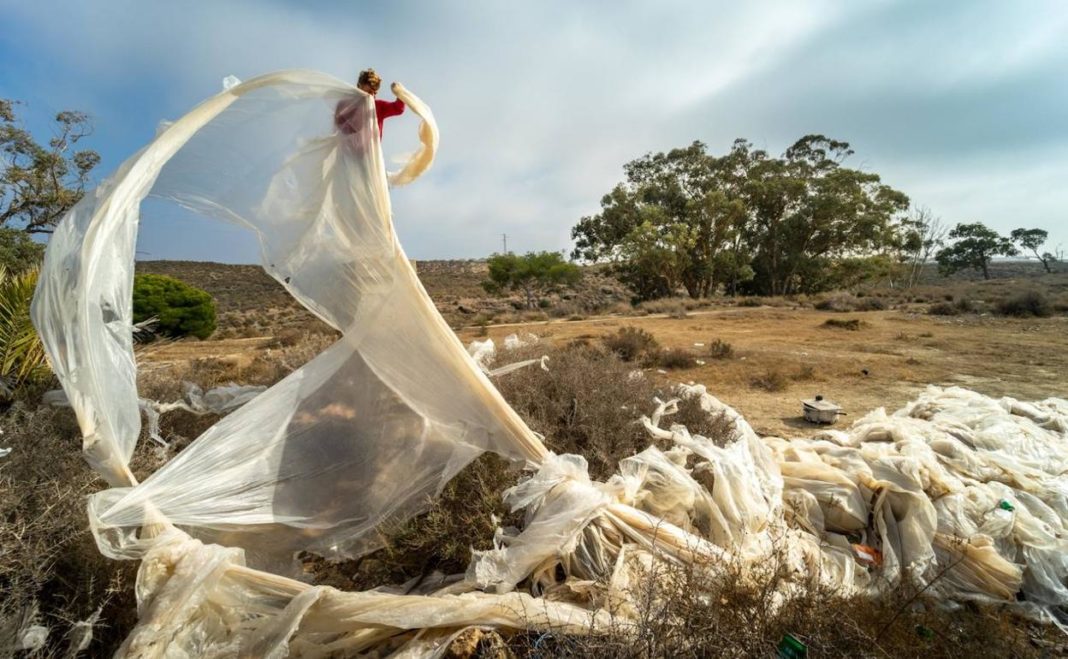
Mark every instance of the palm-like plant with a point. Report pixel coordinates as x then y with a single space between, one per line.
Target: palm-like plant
22 357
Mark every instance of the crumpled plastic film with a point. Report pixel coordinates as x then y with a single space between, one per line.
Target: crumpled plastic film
217 400
198 600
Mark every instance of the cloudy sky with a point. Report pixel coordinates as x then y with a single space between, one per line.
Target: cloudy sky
963 105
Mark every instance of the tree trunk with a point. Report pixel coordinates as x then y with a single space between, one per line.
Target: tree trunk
530 297
986 271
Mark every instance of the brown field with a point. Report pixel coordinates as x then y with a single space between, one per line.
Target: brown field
782 349
902 353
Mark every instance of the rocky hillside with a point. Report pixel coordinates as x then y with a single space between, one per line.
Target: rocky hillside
247 299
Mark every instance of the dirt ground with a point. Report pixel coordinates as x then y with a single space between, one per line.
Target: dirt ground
901 354
884 363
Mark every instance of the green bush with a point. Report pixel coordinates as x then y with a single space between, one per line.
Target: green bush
181 309
18 251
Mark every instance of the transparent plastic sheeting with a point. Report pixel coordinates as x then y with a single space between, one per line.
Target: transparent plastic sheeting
364 433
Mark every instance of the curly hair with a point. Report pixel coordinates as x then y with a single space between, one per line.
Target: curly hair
370 78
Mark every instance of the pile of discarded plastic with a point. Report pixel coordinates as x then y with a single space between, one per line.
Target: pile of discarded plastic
956 491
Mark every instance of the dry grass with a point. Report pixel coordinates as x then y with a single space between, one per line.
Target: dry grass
51 572
772 380
852 324
903 352
688 611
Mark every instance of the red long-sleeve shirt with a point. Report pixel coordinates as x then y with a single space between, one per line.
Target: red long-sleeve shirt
345 114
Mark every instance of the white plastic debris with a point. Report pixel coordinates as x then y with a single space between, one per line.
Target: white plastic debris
485 352
32 638
218 400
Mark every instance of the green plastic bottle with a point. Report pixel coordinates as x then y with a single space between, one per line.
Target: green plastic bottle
791 648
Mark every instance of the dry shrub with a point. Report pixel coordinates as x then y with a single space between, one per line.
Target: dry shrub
962 305
771 379
619 309
720 349
672 307
943 309
734 611
49 562
676 358
462 518
562 309
716 427
1027 304
851 324
587 403
289 337
804 373
837 302
870 304
750 302
632 344
843 302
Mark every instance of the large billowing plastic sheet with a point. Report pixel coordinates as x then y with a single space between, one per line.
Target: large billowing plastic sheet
362 434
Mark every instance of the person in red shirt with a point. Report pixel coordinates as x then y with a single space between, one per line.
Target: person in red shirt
346 112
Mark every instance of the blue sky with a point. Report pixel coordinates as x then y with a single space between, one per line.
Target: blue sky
962 105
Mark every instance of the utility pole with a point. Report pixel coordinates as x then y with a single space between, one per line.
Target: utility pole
504 237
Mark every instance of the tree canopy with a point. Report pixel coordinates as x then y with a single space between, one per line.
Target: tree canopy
179 308
19 252
1032 240
534 274
746 220
39 183
975 245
